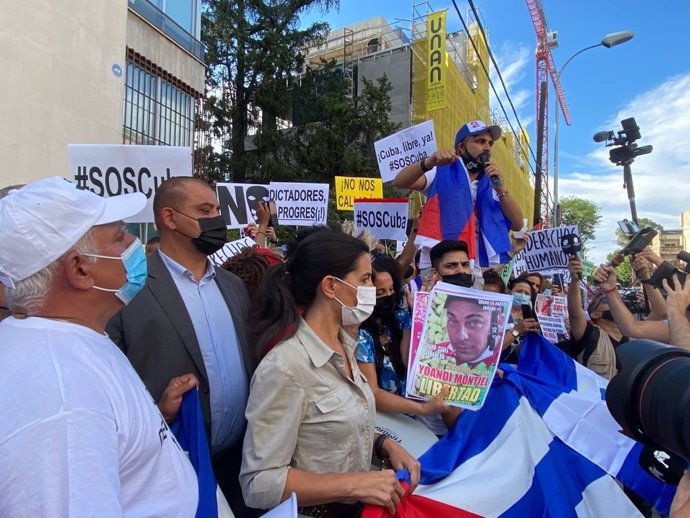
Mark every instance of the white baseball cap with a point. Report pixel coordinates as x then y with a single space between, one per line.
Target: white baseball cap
44 219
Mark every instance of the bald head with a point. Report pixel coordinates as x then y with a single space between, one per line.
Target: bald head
173 193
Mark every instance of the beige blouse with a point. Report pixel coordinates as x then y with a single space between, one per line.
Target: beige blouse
303 412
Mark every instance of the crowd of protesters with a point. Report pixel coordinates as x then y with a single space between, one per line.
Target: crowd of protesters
291 349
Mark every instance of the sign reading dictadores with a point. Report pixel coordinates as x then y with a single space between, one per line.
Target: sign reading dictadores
111 170
384 219
302 204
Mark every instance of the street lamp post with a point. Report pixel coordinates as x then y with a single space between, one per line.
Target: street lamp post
610 40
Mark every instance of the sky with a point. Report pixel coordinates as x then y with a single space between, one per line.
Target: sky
647 78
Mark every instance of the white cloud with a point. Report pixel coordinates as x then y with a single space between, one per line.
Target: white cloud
512 59
661 179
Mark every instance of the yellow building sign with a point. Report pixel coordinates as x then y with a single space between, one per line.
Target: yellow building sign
436 61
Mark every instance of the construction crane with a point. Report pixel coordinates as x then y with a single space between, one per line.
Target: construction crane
546 40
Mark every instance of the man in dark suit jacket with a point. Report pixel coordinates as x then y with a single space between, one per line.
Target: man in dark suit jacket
188 326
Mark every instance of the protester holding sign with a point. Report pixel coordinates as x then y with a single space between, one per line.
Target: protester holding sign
311 411
467 199
520 322
590 344
383 345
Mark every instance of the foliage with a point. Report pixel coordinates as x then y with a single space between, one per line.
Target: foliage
583 213
253 48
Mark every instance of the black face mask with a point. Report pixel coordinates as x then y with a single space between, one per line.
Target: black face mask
472 164
385 306
465 280
214 234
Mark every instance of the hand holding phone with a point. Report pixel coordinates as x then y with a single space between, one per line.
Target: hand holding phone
274 213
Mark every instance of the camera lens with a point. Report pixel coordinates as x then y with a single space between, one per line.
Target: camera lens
650 395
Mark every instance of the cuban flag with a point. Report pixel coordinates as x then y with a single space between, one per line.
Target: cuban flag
190 433
449 213
544 444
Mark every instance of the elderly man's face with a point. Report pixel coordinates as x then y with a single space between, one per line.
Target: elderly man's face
468 330
111 240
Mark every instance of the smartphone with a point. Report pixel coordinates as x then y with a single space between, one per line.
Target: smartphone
274 213
628 227
527 311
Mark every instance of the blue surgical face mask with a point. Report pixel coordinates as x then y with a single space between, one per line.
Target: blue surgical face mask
134 261
520 298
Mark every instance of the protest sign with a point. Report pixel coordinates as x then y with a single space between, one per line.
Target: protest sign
301 204
383 218
552 313
111 170
587 268
507 270
408 146
543 252
410 433
230 249
419 310
461 344
239 201
348 189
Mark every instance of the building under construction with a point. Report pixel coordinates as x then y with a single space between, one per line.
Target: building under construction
374 47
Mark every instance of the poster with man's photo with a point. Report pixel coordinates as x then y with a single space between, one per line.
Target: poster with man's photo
460 345
552 314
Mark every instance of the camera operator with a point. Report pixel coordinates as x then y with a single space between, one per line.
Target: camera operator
590 344
605 277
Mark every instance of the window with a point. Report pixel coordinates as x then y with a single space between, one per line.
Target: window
158 109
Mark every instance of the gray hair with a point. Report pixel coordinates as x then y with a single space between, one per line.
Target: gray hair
29 294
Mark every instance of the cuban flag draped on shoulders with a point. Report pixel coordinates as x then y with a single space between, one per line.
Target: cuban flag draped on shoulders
449 214
544 444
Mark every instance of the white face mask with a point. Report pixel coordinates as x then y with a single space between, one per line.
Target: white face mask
366 300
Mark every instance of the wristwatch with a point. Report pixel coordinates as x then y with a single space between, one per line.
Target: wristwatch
515 333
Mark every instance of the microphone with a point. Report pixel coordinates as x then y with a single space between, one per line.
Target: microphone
483 160
602 136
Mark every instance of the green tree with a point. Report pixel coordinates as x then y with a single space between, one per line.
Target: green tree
253 47
583 213
334 134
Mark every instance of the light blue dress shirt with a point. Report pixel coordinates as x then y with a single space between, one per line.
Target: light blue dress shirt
220 349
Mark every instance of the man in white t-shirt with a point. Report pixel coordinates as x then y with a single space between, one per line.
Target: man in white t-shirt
79 433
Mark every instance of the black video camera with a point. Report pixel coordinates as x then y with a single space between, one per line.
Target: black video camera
637 243
650 399
625 149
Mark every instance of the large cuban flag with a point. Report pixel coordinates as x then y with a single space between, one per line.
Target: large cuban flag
543 445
